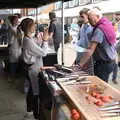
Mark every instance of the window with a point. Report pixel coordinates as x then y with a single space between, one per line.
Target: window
95 1
71 3
66 4
58 5
83 2
76 2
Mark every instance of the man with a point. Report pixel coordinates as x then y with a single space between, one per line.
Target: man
86 29
55 33
101 45
85 36
55 30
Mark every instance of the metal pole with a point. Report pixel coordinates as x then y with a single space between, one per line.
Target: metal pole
37 17
62 32
12 11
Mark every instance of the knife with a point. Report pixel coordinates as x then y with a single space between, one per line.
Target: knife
111 104
110 115
114 111
67 79
77 79
110 108
74 79
80 82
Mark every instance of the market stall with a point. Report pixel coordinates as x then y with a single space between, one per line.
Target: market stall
78 96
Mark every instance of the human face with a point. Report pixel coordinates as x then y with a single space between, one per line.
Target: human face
92 19
15 22
32 28
84 18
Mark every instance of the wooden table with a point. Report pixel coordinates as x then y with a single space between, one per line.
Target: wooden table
77 96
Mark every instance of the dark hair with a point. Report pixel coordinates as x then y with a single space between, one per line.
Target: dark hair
52 15
17 14
13 18
26 24
84 11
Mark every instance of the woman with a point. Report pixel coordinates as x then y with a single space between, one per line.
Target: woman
32 56
15 45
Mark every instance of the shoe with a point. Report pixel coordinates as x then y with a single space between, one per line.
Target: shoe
28 115
9 80
114 81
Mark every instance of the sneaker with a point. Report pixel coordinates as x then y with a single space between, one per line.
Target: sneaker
115 81
28 115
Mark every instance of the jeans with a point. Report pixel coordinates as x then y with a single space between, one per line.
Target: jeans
103 69
13 69
115 71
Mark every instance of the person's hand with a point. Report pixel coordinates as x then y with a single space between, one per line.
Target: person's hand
76 68
39 36
45 35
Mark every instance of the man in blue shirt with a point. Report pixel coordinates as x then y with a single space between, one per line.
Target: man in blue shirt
85 36
100 47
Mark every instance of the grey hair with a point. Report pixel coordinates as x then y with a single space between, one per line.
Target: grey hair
96 11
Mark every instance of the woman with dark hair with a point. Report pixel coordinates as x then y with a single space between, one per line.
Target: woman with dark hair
14 46
32 56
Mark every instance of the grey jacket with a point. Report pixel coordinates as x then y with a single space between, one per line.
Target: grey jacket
32 53
14 46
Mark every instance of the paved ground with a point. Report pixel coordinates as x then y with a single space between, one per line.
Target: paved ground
12 103
118 79
12 100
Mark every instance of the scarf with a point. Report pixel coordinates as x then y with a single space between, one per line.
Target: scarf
107 28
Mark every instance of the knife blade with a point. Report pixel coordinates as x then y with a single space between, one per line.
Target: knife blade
110 108
80 82
110 115
73 79
111 104
67 79
114 111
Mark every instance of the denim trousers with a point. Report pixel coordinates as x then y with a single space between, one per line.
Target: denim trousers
103 69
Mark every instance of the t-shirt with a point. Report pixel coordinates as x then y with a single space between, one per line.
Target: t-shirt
85 35
56 28
104 50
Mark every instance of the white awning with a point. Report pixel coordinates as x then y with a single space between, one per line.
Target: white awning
43 16
107 6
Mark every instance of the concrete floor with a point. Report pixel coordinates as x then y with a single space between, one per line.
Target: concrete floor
12 100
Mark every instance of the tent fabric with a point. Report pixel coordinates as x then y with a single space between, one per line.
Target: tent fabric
25 3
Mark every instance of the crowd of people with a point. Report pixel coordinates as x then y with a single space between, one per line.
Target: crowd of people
98 42
94 42
28 44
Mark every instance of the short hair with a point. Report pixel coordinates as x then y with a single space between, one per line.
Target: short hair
84 11
13 18
96 11
52 14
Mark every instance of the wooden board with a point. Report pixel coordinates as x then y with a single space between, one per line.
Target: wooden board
89 111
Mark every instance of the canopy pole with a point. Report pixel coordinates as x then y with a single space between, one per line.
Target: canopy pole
12 11
62 52
37 17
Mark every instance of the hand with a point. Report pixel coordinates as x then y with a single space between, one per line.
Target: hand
76 68
39 36
45 35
